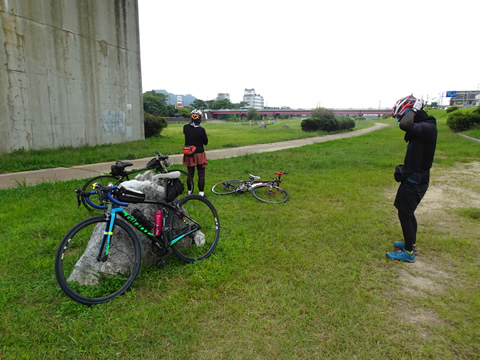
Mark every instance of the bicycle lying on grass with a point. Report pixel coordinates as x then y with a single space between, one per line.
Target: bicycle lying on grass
118 174
99 258
267 191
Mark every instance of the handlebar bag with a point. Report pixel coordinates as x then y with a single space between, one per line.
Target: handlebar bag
130 196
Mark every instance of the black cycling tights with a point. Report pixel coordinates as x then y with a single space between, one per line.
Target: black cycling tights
201 176
409 228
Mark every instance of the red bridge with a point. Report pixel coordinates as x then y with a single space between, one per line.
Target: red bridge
215 114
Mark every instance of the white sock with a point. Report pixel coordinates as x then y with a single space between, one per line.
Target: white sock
201 193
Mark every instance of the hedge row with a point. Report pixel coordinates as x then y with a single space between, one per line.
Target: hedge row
462 120
327 124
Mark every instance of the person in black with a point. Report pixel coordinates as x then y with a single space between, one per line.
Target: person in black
197 136
414 174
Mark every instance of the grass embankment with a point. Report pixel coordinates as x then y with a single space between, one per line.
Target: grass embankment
307 279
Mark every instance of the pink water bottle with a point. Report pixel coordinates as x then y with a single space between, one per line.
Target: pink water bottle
158 222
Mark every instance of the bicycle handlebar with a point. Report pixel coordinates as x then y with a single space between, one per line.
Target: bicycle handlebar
101 191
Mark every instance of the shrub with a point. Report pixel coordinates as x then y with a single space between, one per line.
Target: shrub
154 125
322 113
461 121
451 108
328 124
346 123
309 125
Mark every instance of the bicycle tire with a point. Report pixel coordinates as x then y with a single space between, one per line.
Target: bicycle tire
270 194
227 187
185 178
198 244
85 279
88 186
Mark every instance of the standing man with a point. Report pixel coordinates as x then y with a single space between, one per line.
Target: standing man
197 136
414 174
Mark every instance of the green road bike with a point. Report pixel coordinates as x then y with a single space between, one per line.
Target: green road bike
99 258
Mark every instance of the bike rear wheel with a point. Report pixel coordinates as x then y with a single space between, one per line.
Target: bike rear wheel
270 194
90 281
227 187
197 228
89 186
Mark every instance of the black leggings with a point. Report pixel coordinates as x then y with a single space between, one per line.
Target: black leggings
201 176
409 229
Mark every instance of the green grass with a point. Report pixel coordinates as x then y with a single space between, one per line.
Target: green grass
221 135
307 279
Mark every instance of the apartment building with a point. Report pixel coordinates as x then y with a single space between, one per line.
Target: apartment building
252 99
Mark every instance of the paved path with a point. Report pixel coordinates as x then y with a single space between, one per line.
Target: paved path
12 180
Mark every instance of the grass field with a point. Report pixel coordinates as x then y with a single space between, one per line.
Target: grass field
307 279
221 135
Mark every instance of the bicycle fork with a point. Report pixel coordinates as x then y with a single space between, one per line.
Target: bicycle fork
107 237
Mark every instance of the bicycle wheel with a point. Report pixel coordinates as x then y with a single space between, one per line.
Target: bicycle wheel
227 187
105 180
88 280
186 180
270 194
196 228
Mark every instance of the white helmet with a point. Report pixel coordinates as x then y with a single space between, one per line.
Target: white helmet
196 115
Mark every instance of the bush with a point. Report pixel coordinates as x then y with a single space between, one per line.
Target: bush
451 108
328 124
309 125
346 123
325 124
154 125
461 121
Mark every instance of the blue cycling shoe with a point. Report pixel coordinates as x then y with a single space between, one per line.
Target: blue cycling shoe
401 255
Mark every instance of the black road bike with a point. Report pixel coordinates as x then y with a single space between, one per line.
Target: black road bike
118 174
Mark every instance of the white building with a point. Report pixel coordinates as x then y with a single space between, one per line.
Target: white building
253 100
221 96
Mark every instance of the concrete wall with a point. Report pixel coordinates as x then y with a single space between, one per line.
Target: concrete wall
69 73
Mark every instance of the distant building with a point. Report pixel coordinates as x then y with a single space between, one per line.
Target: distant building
221 96
466 98
253 100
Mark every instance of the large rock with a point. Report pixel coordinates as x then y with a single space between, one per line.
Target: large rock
153 187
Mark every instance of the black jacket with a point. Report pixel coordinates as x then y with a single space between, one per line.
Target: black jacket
421 136
195 136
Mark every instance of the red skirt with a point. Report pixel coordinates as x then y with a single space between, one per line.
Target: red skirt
195 159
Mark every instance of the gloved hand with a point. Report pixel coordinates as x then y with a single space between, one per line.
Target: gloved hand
418 105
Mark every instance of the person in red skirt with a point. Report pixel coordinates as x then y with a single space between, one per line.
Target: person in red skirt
197 136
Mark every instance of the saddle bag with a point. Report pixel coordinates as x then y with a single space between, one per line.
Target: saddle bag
174 189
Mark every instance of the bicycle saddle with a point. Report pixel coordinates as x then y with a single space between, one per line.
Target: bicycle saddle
253 177
122 165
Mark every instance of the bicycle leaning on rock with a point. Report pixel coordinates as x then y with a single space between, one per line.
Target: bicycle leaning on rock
99 258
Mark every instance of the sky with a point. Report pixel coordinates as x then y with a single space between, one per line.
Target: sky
310 53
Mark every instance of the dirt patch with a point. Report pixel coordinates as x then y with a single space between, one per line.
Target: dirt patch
450 190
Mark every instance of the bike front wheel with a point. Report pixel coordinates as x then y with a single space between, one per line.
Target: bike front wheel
227 187
89 186
270 194
195 228
85 278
